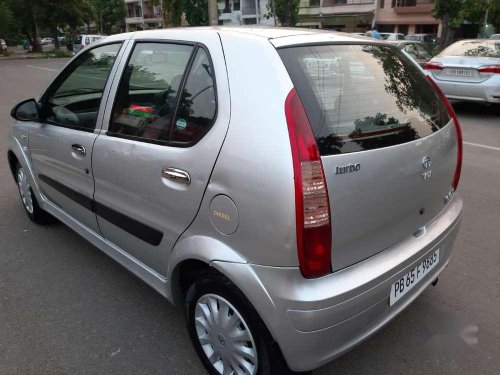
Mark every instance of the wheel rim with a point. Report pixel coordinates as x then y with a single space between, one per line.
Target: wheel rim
225 337
25 190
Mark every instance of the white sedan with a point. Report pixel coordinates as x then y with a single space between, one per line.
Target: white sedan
468 70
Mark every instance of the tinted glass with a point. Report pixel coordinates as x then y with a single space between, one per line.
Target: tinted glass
75 98
411 50
78 39
146 97
423 53
480 48
197 107
363 97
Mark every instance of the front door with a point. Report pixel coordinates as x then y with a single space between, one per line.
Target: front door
61 143
166 127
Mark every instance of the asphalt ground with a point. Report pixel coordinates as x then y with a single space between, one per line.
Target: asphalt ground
66 308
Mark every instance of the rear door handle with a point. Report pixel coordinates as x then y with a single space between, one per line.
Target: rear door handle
79 150
177 175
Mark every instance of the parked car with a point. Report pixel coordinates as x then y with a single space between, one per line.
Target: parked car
45 41
3 45
82 41
392 36
495 37
469 70
416 50
428 40
291 222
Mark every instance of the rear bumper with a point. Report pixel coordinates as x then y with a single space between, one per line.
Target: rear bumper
315 321
487 91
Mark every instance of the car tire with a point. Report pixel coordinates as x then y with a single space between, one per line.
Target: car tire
28 199
211 294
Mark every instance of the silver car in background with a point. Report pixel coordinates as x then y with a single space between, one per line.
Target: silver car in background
468 70
294 190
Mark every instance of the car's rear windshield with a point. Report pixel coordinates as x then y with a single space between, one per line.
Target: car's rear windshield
77 40
479 48
362 97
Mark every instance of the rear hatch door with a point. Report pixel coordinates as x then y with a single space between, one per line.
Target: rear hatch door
388 146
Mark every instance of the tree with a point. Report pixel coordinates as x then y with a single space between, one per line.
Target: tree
287 11
454 12
172 11
26 21
5 17
196 12
111 12
55 14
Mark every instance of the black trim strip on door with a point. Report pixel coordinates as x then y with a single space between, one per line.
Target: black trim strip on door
131 226
79 198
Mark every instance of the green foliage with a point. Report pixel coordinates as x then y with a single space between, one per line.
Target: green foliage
196 12
112 12
6 17
287 11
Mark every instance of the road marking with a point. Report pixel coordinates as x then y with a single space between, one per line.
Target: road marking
482 146
39 67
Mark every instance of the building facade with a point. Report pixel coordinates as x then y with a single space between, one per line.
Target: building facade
402 16
340 15
245 12
407 17
142 15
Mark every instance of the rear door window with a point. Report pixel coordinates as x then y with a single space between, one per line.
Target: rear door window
363 97
148 91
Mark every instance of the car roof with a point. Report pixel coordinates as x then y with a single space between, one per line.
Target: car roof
266 32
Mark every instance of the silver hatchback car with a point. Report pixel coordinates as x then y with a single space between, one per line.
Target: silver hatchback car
294 190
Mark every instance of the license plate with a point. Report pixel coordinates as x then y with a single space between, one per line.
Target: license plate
412 278
460 72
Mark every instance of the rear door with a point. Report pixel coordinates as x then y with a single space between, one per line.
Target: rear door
167 123
388 148
61 143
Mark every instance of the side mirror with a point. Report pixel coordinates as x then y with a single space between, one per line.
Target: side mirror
27 110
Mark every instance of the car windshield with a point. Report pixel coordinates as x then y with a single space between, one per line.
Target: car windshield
474 48
78 40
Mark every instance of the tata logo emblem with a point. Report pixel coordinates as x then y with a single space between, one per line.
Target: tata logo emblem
427 164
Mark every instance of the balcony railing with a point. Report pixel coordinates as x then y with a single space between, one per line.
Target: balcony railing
413 6
410 3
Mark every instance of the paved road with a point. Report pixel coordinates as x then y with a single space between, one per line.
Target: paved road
66 308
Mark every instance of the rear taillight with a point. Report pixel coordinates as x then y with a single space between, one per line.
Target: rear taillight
458 131
431 65
489 69
82 46
312 208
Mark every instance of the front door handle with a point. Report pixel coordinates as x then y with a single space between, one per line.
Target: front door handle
177 175
79 150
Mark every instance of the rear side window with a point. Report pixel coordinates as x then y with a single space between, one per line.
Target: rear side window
363 97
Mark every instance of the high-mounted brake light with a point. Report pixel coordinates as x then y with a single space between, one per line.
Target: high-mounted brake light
312 208
431 65
458 131
491 69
